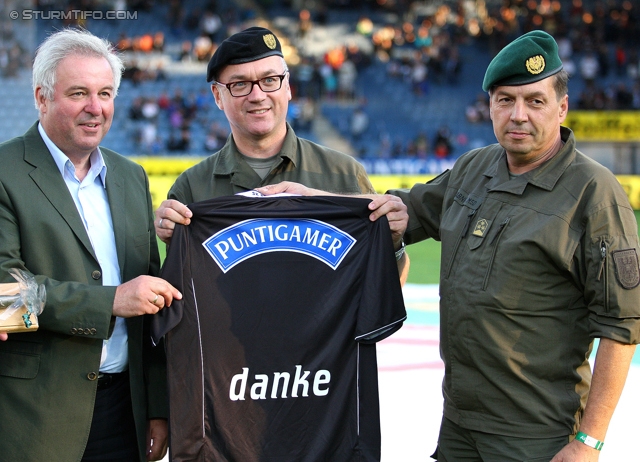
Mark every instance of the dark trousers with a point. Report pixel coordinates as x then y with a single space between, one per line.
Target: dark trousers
457 444
113 432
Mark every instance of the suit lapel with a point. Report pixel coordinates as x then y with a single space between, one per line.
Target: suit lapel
47 177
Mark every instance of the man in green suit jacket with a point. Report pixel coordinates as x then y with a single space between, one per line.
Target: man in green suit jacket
79 218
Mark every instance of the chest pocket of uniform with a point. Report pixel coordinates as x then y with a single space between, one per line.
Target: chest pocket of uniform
478 231
462 218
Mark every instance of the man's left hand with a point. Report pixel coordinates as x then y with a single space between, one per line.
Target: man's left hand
577 452
157 439
396 212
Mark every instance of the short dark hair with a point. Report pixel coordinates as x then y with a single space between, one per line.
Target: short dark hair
561 84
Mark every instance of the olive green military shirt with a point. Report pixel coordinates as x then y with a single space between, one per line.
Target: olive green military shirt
533 269
302 161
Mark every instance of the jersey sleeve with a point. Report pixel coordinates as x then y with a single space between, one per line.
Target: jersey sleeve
382 311
174 271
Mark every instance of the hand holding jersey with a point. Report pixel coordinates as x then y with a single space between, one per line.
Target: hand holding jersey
381 205
170 213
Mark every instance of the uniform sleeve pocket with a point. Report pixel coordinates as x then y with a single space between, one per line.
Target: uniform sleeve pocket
617 276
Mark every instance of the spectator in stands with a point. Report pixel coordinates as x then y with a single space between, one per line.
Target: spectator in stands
216 137
143 43
623 97
158 41
133 72
164 102
203 47
150 109
347 75
186 52
419 74
175 17
479 111
135 110
180 142
307 113
589 67
603 60
358 57
442 145
124 43
565 51
307 78
148 136
203 101
304 23
359 123
633 65
422 145
329 81
621 59
211 25
452 64
635 92
12 60
592 97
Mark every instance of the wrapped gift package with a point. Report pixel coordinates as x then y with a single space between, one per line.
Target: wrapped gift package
20 303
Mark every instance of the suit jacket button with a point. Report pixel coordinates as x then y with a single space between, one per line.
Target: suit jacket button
87 331
96 275
93 331
74 330
92 376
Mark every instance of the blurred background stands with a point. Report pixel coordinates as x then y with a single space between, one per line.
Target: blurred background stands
397 84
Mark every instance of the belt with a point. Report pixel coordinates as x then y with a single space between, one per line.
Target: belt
105 379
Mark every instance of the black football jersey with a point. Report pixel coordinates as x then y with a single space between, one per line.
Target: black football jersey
271 352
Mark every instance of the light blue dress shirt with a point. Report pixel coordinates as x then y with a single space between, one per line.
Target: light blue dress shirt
90 197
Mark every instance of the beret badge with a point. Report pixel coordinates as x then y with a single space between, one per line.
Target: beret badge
269 40
535 64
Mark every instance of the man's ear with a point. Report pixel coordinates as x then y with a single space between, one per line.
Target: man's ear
217 97
40 100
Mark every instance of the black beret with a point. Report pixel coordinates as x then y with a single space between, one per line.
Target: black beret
248 45
529 58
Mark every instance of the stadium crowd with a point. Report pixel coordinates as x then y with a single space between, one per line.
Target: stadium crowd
416 44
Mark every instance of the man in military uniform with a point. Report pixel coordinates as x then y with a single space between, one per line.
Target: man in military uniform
539 258
250 83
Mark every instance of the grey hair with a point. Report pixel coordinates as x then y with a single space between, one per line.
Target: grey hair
68 42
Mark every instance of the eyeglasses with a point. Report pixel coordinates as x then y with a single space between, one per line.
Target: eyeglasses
267 84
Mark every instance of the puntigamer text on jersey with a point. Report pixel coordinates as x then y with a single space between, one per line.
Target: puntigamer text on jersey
260 386
248 238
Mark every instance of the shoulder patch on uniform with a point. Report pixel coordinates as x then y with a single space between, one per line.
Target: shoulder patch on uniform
626 267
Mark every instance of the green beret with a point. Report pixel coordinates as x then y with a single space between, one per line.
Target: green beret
529 58
248 45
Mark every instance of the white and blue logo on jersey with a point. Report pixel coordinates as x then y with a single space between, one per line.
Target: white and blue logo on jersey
249 238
